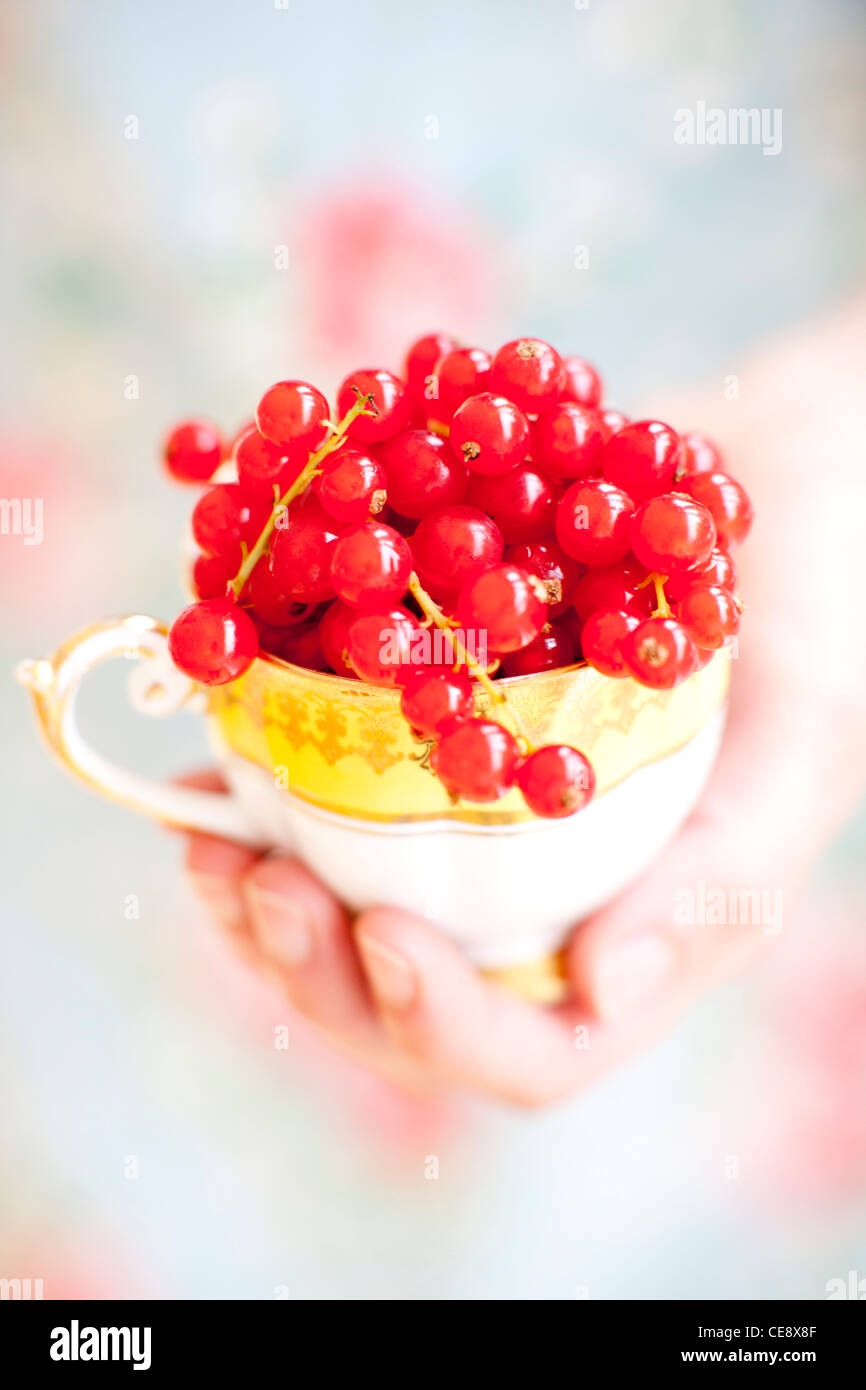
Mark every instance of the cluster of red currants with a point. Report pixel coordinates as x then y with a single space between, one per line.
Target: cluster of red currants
482 495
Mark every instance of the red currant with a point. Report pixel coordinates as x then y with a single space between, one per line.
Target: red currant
301 553
379 647
351 486
672 533
727 502
719 569
302 646
529 372
556 781
612 421
451 543
262 465
552 648
371 565
226 515
710 614
700 455
334 626
567 440
592 522
293 414
489 433
477 759
617 586
433 698
521 502
582 382
193 451
659 653
421 359
213 641
642 458
557 571
211 575
422 473
268 602
391 402
602 637
504 603
459 374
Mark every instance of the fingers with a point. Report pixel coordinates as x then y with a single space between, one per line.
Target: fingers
216 869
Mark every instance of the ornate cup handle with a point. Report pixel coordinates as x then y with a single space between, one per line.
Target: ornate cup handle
156 687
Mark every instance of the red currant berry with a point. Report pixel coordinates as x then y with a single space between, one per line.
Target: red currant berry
602 637
262 465
529 372
477 760
557 571
573 625
351 486
422 358
334 626
521 502
659 653
556 781
504 603
700 455
432 699
719 569
211 575
371 566
193 451
268 603
422 473
582 382
301 553
452 543
293 414
380 645
727 502
552 648
710 614
391 402
457 375
226 515
592 522
489 433
615 587
302 646
672 533
213 641
642 458
612 421
567 440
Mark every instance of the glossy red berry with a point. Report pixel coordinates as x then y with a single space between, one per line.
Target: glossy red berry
727 502
213 641
552 648
672 533
602 637
301 553
432 699
556 781
557 571
421 359
659 653
334 626
719 569
615 586
371 565
642 458
226 515
582 382
612 421
268 602
452 543
592 522
351 486
263 466
193 451
489 433
521 502
422 473
457 375
700 455
506 604
529 372
477 759
211 575
391 402
567 440
710 614
379 646
293 415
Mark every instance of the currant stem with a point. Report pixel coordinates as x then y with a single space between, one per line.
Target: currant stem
301 483
663 608
432 610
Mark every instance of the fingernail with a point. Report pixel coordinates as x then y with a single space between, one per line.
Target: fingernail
282 927
391 975
629 972
225 903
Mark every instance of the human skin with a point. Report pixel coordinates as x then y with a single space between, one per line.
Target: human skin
394 993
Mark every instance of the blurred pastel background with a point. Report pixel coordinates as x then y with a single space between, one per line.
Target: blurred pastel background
310 187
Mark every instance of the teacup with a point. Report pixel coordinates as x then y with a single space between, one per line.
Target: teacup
328 768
